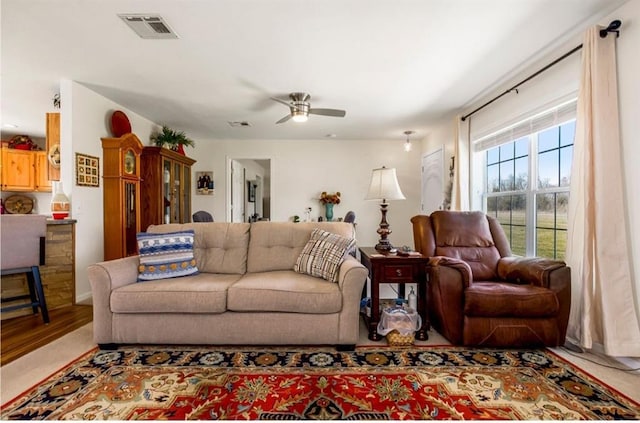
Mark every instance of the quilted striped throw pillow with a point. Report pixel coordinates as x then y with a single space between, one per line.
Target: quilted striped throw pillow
323 255
168 255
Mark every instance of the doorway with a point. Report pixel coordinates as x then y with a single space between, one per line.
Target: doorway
432 181
249 189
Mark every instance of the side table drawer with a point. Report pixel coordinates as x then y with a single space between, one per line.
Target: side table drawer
398 272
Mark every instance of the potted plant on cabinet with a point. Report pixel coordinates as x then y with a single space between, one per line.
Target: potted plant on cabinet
171 139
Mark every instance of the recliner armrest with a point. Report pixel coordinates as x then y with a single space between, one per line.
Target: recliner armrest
448 279
459 265
528 270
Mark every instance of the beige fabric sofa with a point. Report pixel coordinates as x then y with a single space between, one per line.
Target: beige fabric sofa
246 292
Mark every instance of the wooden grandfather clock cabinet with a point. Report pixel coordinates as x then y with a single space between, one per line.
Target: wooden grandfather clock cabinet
121 178
166 187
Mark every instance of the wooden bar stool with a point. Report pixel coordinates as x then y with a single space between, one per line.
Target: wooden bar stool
22 241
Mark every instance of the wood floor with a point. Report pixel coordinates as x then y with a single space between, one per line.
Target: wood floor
21 335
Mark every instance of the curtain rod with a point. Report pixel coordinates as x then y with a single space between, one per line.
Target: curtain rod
614 26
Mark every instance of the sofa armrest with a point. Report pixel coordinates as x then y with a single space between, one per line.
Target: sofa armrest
105 277
352 276
454 263
352 271
528 270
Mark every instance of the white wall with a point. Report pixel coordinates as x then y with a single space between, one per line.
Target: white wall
629 93
84 119
301 170
441 135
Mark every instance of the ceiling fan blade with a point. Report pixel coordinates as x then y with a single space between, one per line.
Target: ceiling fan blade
286 103
328 112
284 119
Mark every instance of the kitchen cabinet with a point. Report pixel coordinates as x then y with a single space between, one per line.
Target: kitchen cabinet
18 170
165 187
53 142
24 170
43 184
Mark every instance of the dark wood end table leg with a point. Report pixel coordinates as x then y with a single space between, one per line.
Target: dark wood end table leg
422 334
373 331
375 310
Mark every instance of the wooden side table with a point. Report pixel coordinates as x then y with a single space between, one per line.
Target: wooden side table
391 268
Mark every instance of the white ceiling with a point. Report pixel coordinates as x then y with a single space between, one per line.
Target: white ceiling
393 65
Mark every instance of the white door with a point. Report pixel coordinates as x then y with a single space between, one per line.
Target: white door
432 181
237 191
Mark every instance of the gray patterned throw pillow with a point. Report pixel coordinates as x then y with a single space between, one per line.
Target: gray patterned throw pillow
323 255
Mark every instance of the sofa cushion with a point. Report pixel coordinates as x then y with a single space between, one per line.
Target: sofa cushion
219 247
201 293
284 291
277 245
167 255
323 254
496 299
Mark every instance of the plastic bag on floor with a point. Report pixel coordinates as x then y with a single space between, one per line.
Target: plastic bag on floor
405 321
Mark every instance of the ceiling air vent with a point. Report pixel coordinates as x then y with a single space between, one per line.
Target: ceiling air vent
237 124
148 26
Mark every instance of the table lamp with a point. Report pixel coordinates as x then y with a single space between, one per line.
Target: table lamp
384 186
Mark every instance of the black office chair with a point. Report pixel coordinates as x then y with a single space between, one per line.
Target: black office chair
202 216
23 239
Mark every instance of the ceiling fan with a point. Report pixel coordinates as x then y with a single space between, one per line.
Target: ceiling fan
300 108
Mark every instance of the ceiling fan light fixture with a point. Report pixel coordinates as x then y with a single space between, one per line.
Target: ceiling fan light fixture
300 109
299 117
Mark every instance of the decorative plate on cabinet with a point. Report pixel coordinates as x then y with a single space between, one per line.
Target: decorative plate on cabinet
120 124
54 156
18 204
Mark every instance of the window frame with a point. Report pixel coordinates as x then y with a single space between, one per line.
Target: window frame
532 189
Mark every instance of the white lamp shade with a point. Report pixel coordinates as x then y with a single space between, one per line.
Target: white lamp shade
384 185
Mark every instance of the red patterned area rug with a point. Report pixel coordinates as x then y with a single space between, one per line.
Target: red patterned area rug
372 383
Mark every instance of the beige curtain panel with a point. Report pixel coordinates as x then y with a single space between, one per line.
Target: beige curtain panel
602 310
461 189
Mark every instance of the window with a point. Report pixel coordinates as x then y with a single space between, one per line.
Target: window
527 189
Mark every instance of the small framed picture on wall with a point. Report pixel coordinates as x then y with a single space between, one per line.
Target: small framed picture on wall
87 170
204 183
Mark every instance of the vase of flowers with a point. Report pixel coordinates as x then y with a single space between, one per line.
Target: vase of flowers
328 211
329 200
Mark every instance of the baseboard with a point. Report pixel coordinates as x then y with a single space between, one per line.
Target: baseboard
598 351
572 346
629 362
85 298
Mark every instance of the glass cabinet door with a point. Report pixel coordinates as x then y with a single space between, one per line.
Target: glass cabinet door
166 190
186 193
177 198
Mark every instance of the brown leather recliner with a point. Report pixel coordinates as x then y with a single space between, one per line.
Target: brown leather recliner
480 294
